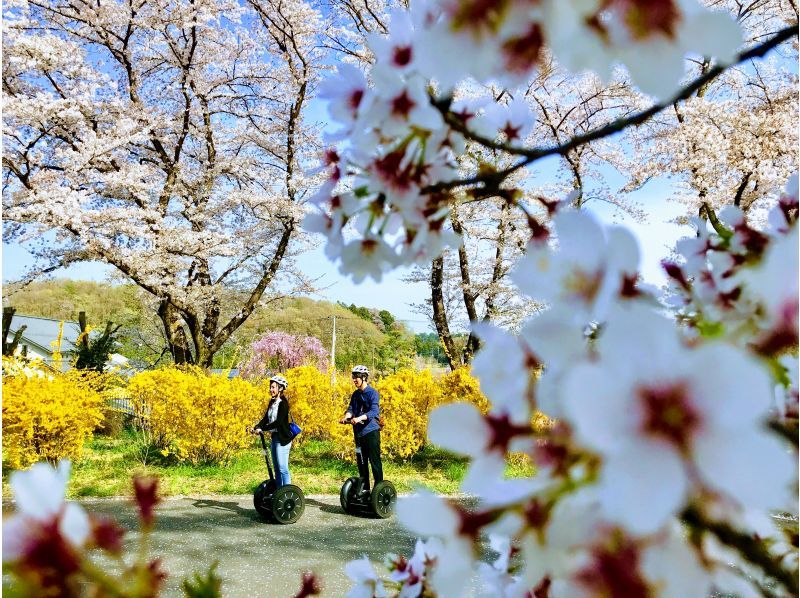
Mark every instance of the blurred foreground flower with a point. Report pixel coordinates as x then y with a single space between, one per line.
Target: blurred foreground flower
50 545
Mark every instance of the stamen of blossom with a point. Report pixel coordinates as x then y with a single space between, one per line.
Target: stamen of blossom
502 431
613 570
477 15
646 17
402 105
522 53
402 56
669 414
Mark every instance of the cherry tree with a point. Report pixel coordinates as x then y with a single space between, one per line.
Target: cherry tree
676 433
167 140
471 283
734 140
280 351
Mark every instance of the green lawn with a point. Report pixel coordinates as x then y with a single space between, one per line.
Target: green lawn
108 464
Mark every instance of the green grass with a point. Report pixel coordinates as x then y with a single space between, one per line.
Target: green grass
108 464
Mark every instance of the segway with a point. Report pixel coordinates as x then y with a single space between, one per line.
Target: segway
285 505
355 500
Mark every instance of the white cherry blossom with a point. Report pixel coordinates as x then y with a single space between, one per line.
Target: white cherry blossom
39 495
668 420
591 268
367 583
502 368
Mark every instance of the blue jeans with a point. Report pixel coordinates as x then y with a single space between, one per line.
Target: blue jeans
280 460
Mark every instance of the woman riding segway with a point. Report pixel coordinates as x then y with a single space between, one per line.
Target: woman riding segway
277 498
363 413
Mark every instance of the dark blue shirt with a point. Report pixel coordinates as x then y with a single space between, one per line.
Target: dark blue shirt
366 402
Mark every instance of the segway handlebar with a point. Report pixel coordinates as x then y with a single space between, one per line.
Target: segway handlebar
250 430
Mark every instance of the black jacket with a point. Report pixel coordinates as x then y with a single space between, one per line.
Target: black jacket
281 423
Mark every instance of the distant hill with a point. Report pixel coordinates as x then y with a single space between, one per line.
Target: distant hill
62 299
380 341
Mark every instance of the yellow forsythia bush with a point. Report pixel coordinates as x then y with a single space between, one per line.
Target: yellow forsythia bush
48 415
198 417
407 397
312 402
459 386
201 417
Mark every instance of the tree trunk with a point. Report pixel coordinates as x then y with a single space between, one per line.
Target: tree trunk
498 271
473 344
175 334
10 348
439 314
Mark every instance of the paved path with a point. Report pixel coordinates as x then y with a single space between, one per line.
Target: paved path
258 558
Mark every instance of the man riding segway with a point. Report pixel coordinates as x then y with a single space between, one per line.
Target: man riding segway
363 413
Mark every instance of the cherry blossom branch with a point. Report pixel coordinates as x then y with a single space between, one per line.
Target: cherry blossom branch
750 547
787 429
707 211
534 154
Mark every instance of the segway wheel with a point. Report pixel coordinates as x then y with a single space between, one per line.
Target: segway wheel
347 494
262 498
288 504
383 499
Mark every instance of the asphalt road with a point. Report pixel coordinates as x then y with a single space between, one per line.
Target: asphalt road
257 558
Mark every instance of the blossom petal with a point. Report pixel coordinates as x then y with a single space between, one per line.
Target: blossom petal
15 531
39 491
754 468
427 514
736 391
459 427
453 569
74 524
643 489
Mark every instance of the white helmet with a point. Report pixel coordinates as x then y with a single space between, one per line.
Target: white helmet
361 370
280 381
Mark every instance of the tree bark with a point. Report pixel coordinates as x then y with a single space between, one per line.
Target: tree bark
10 348
468 293
498 271
439 314
175 334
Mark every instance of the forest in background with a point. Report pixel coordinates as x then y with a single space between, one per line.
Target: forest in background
363 335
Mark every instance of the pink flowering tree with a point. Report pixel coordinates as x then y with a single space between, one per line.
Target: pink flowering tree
279 351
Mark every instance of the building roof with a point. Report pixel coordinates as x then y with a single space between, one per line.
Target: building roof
43 331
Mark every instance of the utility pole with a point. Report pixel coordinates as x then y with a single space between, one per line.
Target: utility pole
333 353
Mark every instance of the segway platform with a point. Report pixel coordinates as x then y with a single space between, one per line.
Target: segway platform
379 501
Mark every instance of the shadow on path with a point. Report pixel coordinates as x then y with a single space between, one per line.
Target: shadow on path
232 507
235 507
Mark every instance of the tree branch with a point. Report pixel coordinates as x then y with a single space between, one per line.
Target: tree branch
534 154
750 547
